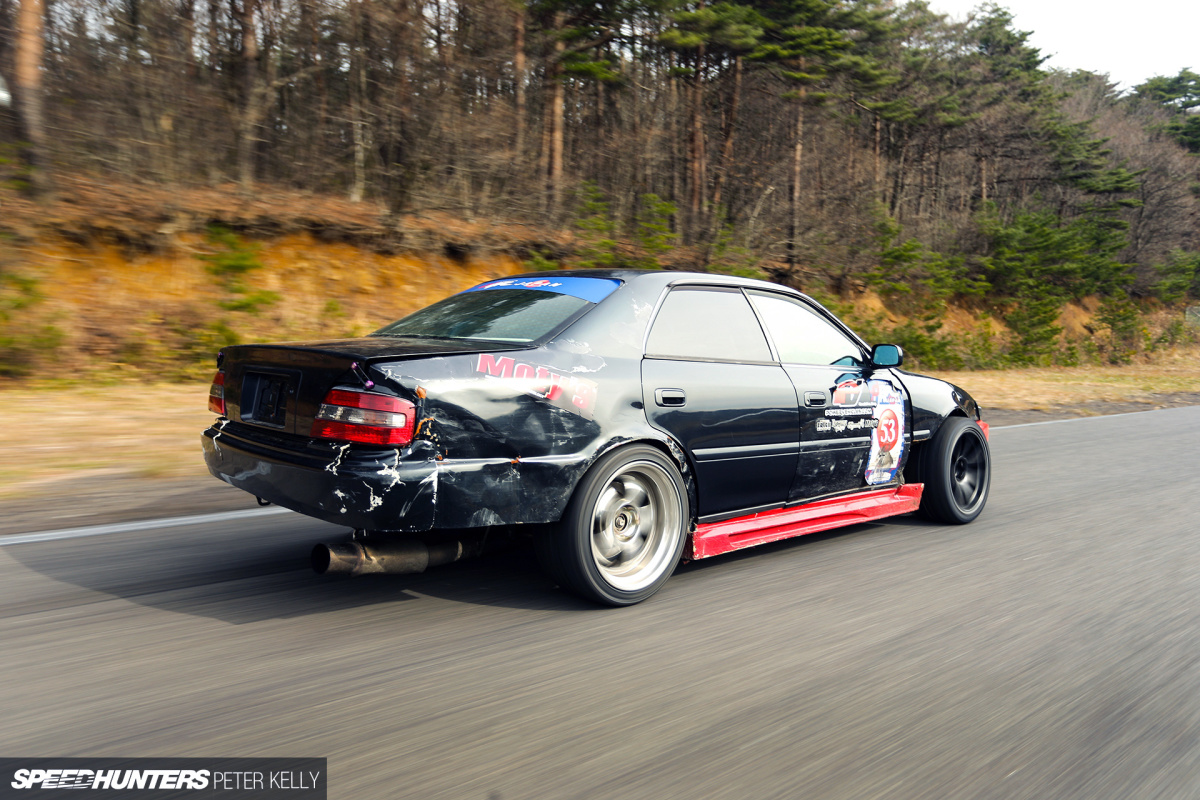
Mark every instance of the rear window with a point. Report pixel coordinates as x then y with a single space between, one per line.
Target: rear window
504 311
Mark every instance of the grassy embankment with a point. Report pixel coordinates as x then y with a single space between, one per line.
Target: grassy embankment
132 338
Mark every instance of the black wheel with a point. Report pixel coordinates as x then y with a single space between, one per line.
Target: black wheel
623 531
956 470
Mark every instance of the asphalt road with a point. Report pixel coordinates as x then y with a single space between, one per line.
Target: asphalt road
1049 650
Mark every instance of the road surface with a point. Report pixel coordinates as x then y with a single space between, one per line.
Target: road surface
1051 649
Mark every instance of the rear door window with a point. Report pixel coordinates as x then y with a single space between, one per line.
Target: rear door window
707 324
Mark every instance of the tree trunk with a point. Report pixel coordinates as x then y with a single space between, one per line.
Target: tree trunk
797 158
557 102
399 155
187 13
697 153
248 125
214 21
519 77
878 159
898 183
28 92
730 130
674 142
358 99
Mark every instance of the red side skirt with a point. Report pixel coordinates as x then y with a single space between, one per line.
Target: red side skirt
715 538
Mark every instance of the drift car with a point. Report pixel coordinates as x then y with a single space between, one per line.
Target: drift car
627 420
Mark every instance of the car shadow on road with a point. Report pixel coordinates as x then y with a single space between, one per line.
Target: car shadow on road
258 579
273 581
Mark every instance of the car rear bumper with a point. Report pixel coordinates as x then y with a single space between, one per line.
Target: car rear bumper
367 489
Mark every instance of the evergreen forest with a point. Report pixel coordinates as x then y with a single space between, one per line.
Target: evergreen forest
839 146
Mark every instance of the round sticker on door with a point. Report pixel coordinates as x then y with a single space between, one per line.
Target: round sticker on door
887 440
889 430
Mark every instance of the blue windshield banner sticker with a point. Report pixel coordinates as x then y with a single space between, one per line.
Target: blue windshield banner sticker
591 289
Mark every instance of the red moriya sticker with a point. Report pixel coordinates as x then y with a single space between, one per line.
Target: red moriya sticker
569 392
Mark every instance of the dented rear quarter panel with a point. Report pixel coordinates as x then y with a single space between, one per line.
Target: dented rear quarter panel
512 432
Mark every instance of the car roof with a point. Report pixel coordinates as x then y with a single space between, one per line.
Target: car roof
659 277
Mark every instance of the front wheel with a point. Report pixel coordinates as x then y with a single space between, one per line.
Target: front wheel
623 531
956 469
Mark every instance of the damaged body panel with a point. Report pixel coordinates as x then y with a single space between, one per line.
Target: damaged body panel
618 409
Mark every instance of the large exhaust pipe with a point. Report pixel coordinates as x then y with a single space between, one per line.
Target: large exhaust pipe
393 556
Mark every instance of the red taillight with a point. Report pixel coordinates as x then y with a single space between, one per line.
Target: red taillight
362 417
216 394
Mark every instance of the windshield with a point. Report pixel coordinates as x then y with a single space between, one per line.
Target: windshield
501 315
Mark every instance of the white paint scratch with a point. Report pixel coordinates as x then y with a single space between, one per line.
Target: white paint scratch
582 368
374 501
220 426
392 472
333 468
578 348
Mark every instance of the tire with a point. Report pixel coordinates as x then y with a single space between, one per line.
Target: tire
624 529
956 468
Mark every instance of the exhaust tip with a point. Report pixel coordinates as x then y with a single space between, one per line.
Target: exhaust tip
320 559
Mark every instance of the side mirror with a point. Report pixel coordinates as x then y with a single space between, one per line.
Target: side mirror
886 355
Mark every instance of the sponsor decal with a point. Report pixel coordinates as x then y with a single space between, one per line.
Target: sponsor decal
849 412
842 425
254 778
591 289
887 438
852 393
569 392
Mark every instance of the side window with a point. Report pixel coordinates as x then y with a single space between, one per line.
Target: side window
704 323
802 335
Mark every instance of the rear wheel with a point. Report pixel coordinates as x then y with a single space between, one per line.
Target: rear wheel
956 470
623 531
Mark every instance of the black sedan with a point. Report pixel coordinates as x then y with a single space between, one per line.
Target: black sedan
625 420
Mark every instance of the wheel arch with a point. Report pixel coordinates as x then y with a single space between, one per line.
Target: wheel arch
668 447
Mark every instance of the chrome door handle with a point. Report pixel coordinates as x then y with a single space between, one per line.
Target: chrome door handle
670 398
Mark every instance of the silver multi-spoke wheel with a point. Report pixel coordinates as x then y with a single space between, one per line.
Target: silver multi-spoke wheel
636 526
624 529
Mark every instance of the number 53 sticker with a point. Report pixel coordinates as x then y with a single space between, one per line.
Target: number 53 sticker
888 430
887 440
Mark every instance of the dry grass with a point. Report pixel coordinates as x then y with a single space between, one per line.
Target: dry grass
1044 389
126 429
153 431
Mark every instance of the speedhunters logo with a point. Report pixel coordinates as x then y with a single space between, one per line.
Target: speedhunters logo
161 778
111 779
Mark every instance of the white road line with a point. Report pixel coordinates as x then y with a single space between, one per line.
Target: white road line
144 525
1077 419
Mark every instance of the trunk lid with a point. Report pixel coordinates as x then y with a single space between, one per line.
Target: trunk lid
281 386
